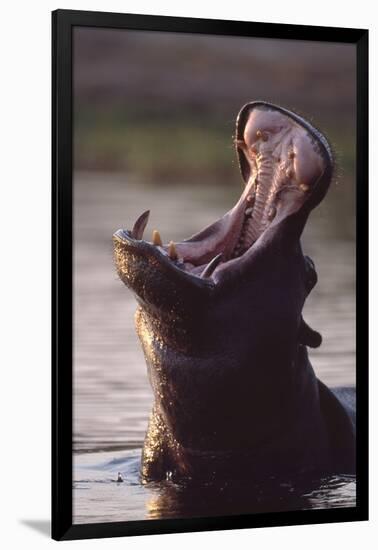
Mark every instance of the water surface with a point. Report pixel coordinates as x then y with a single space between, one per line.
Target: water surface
98 497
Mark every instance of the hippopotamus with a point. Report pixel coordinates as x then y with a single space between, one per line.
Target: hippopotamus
219 318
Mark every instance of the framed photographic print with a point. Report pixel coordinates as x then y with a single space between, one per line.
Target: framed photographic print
209 275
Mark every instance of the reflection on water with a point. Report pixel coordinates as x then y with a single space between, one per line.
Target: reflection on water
99 498
112 397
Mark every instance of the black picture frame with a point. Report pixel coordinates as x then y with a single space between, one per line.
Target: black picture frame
63 22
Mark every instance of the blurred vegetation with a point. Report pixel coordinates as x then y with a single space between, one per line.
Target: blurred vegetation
162 150
175 148
161 107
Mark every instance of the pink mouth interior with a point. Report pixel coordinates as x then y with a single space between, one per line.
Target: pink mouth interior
284 163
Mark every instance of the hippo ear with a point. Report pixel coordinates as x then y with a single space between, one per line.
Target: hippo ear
241 122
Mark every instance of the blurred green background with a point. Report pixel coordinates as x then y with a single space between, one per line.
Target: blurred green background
162 106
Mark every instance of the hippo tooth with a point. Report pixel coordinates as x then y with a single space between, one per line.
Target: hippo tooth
156 239
248 211
304 187
140 226
172 252
209 269
289 173
240 143
272 213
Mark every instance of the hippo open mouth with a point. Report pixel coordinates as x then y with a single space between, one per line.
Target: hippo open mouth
286 165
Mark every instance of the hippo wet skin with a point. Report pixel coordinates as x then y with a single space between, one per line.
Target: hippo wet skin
220 321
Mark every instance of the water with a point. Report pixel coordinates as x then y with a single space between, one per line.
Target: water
112 398
99 498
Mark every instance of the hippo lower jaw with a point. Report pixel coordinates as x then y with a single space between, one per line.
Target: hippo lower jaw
220 318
